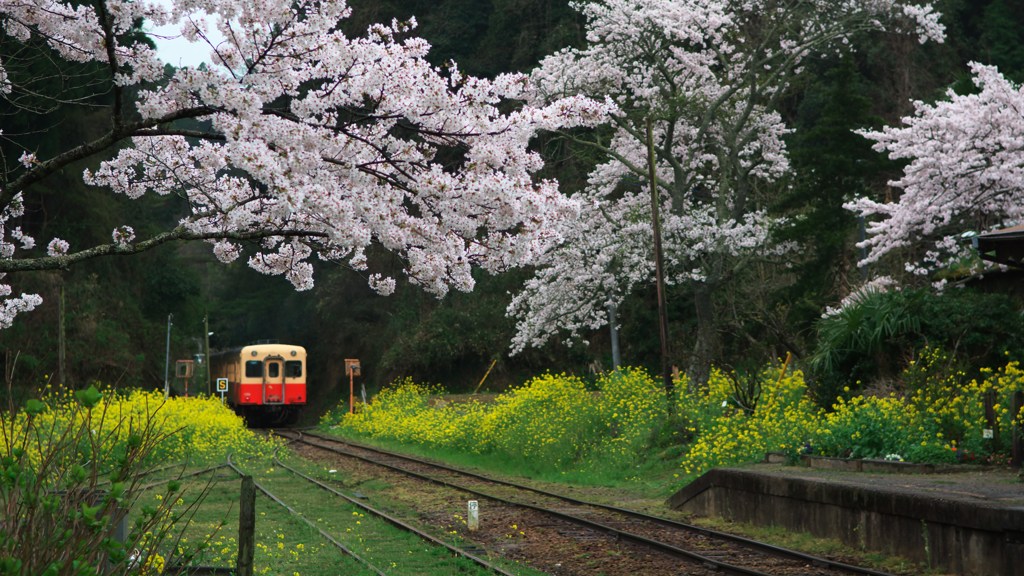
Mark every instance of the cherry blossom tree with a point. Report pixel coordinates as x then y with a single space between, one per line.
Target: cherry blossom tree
710 75
300 139
964 172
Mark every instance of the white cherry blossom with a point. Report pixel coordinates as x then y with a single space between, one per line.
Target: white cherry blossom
123 235
57 247
709 75
964 173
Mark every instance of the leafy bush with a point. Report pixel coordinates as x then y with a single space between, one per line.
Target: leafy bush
71 467
875 335
864 340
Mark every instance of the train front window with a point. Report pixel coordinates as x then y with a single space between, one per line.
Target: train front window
293 369
273 370
254 369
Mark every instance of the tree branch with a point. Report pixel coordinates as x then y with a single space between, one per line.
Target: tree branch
104 142
177 234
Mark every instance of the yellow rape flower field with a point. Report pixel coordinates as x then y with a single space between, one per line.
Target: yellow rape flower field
552 422
198 429
619 430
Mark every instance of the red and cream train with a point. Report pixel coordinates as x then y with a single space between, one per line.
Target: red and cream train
266 382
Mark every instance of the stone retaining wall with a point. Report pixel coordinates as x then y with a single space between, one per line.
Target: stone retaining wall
956 536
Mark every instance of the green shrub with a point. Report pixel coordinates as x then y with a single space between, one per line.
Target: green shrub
873 337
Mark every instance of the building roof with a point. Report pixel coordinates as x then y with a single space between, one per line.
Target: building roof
1005 246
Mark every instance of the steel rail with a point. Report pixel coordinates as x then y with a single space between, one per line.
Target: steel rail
597 526
765 547
183 476
396 522
152 471
345 549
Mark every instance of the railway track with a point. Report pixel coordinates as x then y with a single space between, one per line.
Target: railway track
381 568
663 542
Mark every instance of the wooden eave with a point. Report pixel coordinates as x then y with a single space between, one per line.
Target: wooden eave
1004 246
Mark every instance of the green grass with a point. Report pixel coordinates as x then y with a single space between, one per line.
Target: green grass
284 545
656 479
370 537
406 553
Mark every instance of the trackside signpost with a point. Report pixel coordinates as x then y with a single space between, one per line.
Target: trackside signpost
222 387
352 369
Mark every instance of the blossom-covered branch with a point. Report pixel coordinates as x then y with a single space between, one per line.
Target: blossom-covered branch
60 255
313 141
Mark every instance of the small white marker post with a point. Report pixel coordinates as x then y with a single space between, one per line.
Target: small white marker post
473 518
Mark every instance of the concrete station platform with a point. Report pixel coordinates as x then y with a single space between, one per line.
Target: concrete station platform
961 520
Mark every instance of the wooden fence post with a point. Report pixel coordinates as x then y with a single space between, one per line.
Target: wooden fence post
991 419
246 527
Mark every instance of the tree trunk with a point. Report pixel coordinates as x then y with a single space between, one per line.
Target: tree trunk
659 271
707 336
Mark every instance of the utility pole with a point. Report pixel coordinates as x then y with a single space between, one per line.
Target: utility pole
206 331
614 333
659 277
167 359
61 339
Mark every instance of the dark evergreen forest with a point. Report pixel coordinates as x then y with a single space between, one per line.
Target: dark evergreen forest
115 311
